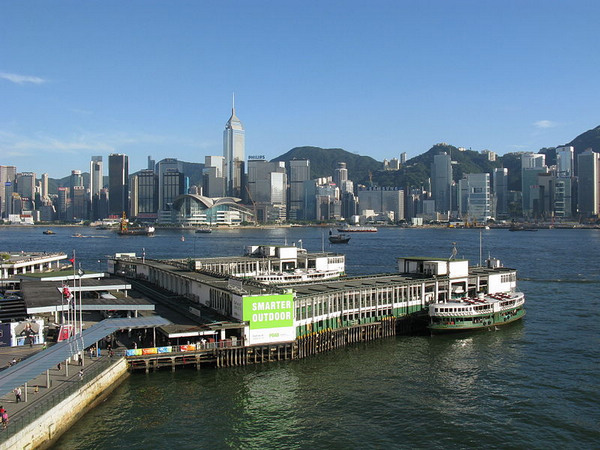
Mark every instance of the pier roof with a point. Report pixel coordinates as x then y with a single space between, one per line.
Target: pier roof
352 283
45 297
27 259
216 280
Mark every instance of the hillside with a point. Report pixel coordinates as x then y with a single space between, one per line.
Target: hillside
589 139
323 161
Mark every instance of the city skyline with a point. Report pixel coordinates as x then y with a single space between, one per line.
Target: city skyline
375 79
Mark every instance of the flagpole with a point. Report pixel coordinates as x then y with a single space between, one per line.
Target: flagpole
80 302
74 330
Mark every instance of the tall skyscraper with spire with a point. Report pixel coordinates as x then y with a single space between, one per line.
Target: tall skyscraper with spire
234 154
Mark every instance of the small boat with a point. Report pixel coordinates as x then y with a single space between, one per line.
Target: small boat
182 239
338 238
49 232
204 230
357 229
521 228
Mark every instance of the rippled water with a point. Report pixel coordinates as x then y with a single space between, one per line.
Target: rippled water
533 384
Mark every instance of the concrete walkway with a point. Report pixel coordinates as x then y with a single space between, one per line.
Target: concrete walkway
38 393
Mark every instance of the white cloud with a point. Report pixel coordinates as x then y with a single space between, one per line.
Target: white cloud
21 79
23 145
544 124
26 146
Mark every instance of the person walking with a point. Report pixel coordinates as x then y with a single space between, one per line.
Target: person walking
18 394
4 416
81 375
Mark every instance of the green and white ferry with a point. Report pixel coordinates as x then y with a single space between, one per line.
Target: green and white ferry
496 302
467 298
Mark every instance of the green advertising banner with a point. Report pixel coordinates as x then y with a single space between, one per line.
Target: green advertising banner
269 311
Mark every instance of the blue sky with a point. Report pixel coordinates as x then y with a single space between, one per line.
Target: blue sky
376 78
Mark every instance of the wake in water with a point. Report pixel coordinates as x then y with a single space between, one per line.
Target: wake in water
559 280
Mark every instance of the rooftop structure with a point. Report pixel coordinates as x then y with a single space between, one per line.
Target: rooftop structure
12 264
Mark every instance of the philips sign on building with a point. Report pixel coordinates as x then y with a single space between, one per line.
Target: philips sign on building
270 318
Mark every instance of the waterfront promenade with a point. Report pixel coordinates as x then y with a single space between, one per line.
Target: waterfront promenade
38 398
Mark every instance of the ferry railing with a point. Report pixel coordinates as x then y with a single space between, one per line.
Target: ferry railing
42 402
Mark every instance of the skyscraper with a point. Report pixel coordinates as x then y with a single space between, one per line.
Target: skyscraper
564 162
96 175
118 184
234 154
26 184
299 172
500 184
171 166
441 182
7 179
44 193
474 200
146 194
75 180
588 167
340 176
532 164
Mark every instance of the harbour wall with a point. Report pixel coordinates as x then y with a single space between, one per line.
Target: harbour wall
46 429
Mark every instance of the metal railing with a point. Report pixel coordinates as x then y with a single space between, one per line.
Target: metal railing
46 401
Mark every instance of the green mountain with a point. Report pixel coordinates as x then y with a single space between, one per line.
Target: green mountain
589 139
323 161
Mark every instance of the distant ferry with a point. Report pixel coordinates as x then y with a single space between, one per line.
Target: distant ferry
357 229
204 230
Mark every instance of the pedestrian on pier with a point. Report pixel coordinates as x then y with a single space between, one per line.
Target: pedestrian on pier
4 419
81 375
58 366
18 394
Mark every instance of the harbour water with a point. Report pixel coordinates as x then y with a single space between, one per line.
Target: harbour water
533 384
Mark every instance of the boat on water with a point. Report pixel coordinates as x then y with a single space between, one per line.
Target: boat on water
125 230
338 238
481 298
48 232
204 230
521 228
484 311
357 229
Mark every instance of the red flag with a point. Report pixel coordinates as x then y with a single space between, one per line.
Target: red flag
72 260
